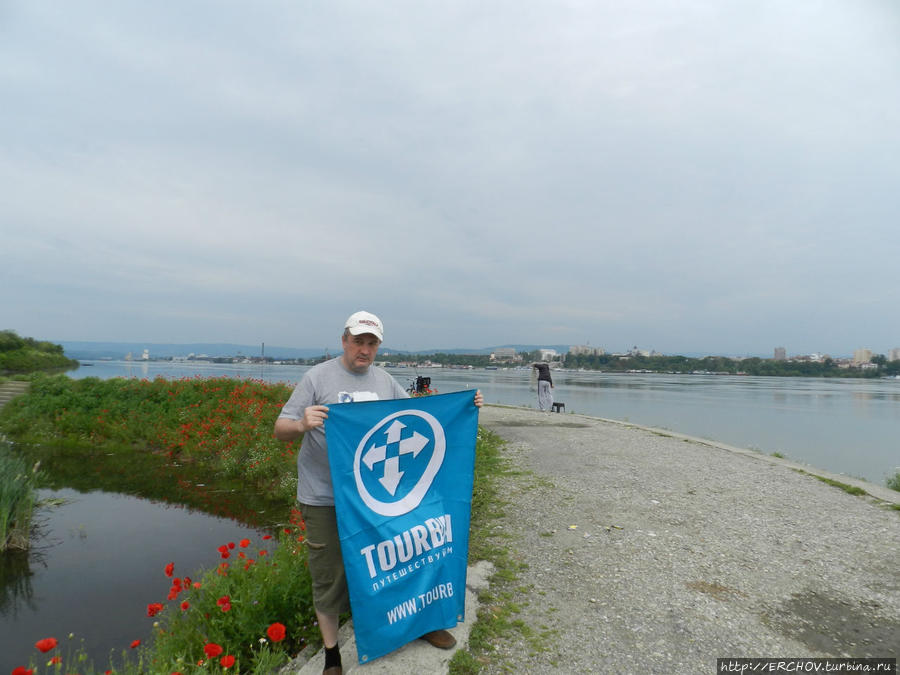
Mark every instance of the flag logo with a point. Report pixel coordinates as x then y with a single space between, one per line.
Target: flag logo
397 460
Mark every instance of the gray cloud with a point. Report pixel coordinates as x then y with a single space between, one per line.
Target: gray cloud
700 177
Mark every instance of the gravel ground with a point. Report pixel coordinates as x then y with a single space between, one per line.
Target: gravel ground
648 552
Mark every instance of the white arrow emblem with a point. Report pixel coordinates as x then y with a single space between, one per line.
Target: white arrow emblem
378 453
371 453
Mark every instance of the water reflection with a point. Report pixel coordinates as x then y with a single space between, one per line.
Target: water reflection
16 590
98 564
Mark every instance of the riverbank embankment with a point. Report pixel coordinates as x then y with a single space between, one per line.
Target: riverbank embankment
646 551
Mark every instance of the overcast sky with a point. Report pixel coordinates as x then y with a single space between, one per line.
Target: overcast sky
693 176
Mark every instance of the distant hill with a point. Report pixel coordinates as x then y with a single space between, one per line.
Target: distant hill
118 350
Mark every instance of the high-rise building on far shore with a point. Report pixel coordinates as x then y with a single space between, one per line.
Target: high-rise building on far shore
587 350
894 354
861 356
780 354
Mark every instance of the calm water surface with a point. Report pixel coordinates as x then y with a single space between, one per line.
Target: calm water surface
849 426
98 564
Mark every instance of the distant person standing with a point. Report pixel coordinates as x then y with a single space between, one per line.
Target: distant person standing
545 384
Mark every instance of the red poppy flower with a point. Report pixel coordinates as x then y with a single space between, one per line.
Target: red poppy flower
268 536
245 543
276 632
212 650
135 644
46 644
170 569
22 670
230 544
227 661
54 661
184 606
154 608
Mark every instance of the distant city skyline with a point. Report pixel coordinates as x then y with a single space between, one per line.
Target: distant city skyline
233 349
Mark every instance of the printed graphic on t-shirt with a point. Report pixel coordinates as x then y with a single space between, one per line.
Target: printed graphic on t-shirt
356 396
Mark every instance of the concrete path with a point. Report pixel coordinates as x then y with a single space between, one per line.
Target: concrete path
647 551
9 390
417 657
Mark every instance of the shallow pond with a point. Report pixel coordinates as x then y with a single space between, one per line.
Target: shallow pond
97 564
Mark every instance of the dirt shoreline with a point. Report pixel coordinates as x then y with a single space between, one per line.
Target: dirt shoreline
648 551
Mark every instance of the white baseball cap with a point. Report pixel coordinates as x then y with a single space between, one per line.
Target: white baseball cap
364 322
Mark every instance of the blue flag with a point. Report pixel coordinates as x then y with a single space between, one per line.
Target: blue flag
402 472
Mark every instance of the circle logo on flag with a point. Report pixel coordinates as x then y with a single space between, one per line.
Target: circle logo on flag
397 460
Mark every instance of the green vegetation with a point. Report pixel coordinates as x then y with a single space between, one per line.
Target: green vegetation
26 355
893 482
160 439
617 363
725 365
497 615
17 499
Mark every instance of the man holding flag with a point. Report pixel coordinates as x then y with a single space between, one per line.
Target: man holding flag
349 378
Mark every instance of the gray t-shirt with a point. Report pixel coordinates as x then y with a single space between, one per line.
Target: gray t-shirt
324 384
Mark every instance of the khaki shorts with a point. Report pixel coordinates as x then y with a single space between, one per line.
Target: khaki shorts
326 565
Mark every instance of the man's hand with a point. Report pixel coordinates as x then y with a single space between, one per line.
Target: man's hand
479 399
314 416
288 430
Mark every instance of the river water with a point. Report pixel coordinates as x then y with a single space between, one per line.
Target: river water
847 426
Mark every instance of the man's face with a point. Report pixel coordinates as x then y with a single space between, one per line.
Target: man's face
359 351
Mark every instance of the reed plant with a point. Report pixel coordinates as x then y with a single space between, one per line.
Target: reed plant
893 482
17 499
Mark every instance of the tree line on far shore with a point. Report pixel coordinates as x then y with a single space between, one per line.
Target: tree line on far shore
659 363
723 364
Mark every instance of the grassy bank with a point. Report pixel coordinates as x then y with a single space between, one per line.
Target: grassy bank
160 439
26 355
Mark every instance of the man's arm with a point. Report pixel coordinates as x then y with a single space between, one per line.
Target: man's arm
287 429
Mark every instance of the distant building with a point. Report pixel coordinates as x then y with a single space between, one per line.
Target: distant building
861 356
780 354
586 350
548 354
504 354
894 354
